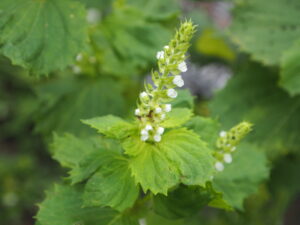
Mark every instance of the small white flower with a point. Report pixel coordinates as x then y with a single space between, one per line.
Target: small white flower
222 133
182 67
168 107
227 158
157 138
163 116
166 47
143 94
178 81
144 132
160 55
172 93
160 130
93 16
137 112
144 137
148 127
76 69
79 57
219 166
158 110
233 149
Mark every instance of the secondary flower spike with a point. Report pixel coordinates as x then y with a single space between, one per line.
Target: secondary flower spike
153 105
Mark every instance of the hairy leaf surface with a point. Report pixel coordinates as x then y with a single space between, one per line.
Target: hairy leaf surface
42 35
180 157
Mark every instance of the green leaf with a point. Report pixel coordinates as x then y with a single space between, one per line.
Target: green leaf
266 30
110 126
274 113
112 185
184 201
63 206
129 25
207 128
290 70
180 157
177 117
69 150
184 100
65 101
42 36
242 177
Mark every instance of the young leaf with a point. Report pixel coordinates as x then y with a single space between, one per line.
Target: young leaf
112 185
180 157
63 206
266 30
242 177
111 126
42 36
177 117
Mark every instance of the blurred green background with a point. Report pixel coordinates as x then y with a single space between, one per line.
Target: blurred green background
124 36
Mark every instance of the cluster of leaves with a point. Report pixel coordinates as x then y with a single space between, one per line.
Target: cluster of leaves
114 176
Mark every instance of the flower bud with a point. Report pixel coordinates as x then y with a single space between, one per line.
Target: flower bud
157 138
160 55
160 130
158 110
219 166
148 127
182 67
227 158
137 112
144 137
171 93
178 81
168 107
144 132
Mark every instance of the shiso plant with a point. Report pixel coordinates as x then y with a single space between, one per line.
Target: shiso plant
163 163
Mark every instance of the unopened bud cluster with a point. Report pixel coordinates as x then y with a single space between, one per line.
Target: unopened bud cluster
227 143
154 101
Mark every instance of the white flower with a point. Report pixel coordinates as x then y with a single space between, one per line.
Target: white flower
76 69
148 127
163 116
93 16
143 94
158 110
160 55
157 138
227 158
137 112
233 149
172 93
222 133
178 81
182 67
168 107
144 132
160 130
166 47
144 137
79 57
219 166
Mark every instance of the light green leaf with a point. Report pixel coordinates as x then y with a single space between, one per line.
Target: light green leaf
177 117
266 30
290 70
112 185
63 206
42 36
273 112
65 101
207 128
180 157
110 126
242 177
